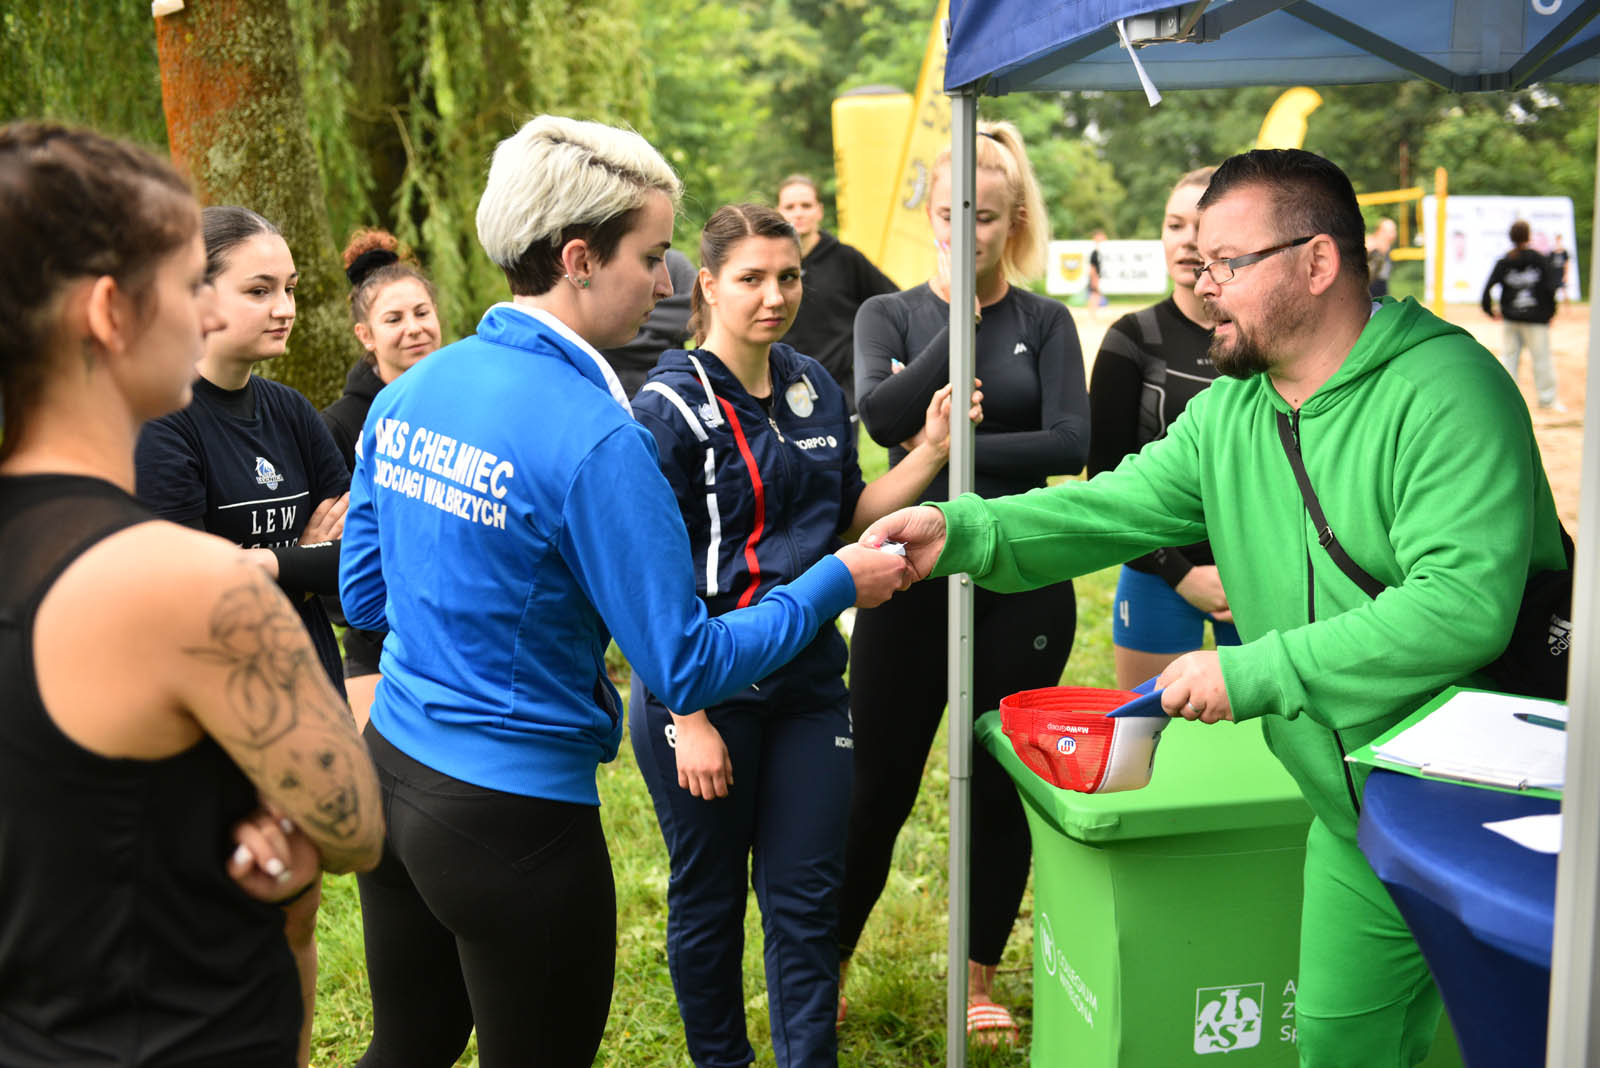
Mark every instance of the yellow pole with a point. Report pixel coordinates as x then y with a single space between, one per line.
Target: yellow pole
1441 189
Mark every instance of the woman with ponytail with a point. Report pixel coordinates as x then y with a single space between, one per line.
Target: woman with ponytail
757 443
176 763
396 316
1151 364
1037 426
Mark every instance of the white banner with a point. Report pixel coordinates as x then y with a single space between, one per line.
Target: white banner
1476 236
1126 267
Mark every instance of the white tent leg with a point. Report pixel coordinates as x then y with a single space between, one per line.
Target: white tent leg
963 343
1574 1028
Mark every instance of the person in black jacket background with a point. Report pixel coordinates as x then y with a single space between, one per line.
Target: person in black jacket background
838 280
1527 304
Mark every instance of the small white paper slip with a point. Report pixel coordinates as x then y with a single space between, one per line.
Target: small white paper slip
1542 834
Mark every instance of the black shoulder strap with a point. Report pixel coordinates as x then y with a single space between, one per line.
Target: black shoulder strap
1325 537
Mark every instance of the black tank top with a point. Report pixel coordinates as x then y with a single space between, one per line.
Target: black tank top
122 939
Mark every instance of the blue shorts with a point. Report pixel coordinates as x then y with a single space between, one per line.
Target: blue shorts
1149 616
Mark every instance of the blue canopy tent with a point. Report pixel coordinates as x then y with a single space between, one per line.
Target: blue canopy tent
1005 46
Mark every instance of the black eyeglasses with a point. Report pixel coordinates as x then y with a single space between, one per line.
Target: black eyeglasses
1222 271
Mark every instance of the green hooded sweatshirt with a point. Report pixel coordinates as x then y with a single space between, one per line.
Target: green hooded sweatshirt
1422 453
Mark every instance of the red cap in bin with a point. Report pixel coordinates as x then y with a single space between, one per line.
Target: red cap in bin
1063 735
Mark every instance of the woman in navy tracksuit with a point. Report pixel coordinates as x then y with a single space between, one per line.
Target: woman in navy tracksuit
756 441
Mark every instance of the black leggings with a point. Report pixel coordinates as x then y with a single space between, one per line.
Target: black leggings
897 698
491 909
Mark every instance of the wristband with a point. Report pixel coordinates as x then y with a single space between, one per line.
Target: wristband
296 896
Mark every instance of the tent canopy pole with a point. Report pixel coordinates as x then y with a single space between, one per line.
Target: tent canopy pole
1574 1025
963 342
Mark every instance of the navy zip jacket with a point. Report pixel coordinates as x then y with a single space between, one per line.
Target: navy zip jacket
763 496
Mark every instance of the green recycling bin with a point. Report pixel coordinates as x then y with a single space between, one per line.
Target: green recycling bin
1167 919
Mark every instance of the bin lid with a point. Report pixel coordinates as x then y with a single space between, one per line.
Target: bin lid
1208 777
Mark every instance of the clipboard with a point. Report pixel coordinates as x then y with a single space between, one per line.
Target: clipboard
1483 774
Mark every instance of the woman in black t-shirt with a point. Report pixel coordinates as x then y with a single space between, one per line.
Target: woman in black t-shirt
250 461
1036 424
1150 365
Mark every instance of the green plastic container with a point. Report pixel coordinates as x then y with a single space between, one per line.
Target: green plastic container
1167 919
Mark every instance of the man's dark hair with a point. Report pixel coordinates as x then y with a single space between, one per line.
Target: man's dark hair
1310 195
1520 233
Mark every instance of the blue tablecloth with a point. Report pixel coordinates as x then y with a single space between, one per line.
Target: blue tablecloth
1481 906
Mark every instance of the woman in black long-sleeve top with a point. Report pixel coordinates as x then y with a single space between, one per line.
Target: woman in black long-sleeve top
1036 424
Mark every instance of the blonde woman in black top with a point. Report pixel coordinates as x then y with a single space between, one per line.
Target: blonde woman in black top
1036 424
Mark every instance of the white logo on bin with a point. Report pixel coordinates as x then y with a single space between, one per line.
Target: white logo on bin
1047 944
1066 746
1227 1018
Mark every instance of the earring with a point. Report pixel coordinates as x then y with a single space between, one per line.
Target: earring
581 283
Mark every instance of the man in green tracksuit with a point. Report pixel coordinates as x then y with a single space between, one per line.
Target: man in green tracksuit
1422 454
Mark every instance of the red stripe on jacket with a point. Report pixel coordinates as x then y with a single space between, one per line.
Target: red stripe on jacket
761 503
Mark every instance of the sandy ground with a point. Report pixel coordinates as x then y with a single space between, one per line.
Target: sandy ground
1560 435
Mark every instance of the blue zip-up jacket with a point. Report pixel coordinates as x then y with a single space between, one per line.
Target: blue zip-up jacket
763 496
485 534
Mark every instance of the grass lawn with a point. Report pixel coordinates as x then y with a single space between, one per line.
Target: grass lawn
897 982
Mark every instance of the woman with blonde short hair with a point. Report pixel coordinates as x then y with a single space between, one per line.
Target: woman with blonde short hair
507 519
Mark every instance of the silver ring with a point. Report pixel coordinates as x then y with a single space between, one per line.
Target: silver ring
1193 709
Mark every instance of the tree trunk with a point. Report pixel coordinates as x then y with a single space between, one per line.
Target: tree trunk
236 122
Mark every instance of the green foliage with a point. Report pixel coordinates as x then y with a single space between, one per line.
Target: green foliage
710 125
1535 141
1081 188
1539 143
405 100
411 98
1148 149
85 62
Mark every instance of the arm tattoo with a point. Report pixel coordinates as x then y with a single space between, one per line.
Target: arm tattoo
289 732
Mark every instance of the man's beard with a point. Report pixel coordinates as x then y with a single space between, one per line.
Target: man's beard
1244 359
1249 354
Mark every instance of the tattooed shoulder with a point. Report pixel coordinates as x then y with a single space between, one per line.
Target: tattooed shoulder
282 721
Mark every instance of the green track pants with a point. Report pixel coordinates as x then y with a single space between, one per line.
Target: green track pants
1365 997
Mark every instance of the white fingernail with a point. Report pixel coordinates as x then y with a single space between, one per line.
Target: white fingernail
242 855
287 824
274 867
